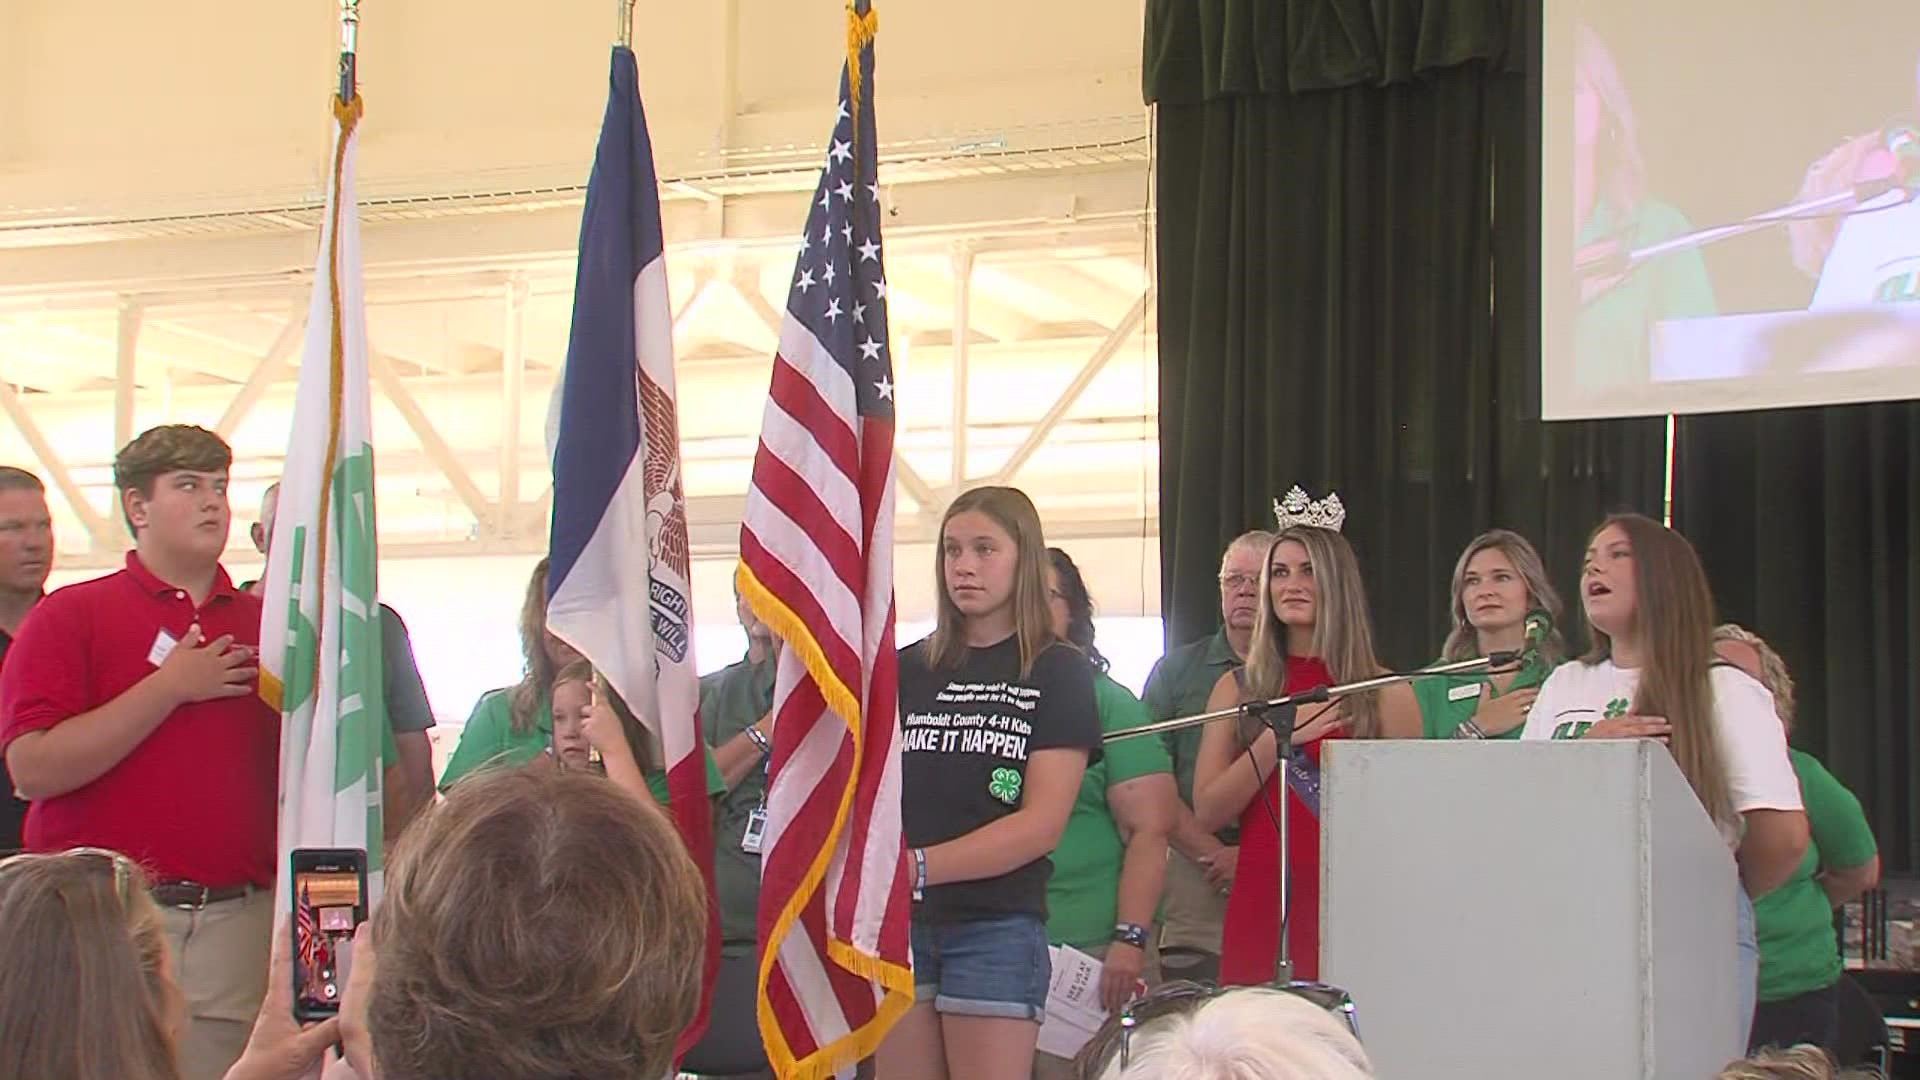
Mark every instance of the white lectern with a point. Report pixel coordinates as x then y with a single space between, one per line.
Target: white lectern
1528 909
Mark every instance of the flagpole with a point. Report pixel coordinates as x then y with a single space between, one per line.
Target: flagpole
623 27
349 45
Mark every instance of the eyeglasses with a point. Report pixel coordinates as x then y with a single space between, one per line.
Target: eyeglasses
1181 996
1238 580
122 867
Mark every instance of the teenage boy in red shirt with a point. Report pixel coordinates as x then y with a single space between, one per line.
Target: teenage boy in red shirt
130 717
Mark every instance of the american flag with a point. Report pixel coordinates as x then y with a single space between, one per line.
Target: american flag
306 934
816 564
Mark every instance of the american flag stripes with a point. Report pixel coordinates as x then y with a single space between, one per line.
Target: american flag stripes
816 550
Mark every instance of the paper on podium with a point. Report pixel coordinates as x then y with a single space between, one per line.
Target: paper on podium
1528 909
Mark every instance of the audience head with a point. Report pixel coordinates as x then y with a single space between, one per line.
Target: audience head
1642 582
1240 580
1245 1034
1498 580
1311 584
172 482
1747 651
538 924
262 530
1803 1062
572 701
1070 605
26 532
543 653
991 565
100 1001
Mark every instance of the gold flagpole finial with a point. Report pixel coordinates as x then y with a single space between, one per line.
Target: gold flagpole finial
623 23
861 30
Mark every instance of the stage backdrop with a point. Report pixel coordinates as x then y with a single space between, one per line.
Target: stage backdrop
1808 522
1348 267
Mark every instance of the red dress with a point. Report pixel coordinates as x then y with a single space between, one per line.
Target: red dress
1250 939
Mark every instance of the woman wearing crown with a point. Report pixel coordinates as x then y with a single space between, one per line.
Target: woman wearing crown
1313 630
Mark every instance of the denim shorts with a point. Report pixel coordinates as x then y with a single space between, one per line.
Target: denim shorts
990 967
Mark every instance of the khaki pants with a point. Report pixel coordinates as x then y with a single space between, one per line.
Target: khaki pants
1193 911
1048 1067
220 955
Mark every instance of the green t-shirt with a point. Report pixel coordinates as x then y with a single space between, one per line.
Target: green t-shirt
1083 893
1179 685
489 740
732 700
1612 334
1447 701
1798 950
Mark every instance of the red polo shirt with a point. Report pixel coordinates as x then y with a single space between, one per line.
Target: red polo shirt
197 800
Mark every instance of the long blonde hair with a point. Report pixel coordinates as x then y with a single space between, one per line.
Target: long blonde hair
1673 616
86 994
536 684
1342 626
1619 169
1033 623
1463 643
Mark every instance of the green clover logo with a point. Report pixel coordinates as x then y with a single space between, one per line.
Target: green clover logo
1616 708
1005 786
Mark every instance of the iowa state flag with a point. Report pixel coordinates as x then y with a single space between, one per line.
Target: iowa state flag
619 588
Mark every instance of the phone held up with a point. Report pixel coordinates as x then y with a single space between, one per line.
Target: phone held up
329 904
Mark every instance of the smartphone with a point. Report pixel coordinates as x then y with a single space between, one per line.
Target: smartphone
329 904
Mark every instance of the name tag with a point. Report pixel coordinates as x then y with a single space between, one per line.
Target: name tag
1462 693
163 644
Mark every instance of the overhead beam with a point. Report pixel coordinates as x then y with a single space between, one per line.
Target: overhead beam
1058 285
513 379
126 352
431 443
962 261
1084 378
99 531
272 365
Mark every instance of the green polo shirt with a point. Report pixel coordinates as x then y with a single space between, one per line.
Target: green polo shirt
1611 334
732 700
1179 685
489 739
1798 951
1447 701
1083 895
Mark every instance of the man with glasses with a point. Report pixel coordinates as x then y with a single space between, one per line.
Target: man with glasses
1202 866
26 557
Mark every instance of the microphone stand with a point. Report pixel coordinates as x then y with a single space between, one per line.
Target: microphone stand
1838 204
1278 715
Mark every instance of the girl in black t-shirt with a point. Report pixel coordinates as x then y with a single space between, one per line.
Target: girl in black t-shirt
998 724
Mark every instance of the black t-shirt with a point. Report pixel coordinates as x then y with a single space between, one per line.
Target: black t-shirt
13 811
966 734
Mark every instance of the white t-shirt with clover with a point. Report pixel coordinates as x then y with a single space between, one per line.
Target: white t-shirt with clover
1753 744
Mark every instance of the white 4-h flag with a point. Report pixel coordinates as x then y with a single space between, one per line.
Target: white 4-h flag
320 661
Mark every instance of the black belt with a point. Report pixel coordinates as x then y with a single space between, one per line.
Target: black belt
192 896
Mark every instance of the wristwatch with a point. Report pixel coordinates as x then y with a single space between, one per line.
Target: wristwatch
1133 934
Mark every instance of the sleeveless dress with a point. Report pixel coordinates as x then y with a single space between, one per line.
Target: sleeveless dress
1250 937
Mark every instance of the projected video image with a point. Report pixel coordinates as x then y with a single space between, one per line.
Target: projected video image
1731 203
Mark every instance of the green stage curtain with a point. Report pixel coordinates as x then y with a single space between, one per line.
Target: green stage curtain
1347 249
1807 521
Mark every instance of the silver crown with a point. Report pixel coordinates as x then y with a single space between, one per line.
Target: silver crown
1297 509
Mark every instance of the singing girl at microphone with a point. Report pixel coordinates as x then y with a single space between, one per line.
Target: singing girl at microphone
1313 630
1502 602
1651 674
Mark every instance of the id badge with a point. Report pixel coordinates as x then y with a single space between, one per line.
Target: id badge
756 831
